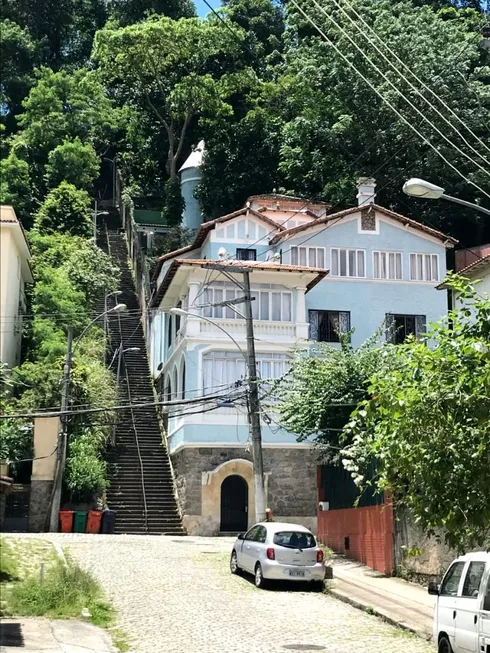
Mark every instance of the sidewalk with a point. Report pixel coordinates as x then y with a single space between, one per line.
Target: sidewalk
35 635
399 602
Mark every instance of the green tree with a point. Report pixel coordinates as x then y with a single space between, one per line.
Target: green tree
324 386
63 30
175 85
15 187
128 12
74 162
16 69
65 209
426 427
338 128
16 440
65 106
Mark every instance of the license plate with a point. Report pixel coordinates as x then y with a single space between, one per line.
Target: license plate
297 573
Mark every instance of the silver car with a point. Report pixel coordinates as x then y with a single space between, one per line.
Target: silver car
278 551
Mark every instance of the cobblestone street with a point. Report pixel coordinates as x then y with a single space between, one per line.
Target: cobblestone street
176 595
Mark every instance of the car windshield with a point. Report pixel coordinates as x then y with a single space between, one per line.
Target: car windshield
295 539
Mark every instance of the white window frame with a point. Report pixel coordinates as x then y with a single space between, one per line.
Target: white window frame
308 249
221 362
388 252
224 313
347 250
424 268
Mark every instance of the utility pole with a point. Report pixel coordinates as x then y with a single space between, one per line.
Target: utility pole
254 405
62 438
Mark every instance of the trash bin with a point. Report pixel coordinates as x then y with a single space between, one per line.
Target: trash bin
66 521
80 521
93 521
108 521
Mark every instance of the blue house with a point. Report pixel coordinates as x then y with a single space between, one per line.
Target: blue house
313 274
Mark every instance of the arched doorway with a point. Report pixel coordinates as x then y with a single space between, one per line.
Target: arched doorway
234 504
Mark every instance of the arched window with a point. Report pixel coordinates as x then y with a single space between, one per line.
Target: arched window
175 384
168 389
183 378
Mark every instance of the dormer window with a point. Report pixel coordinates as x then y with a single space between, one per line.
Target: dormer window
245 254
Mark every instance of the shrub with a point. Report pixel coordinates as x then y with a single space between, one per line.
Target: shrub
85 470
65 209
74 162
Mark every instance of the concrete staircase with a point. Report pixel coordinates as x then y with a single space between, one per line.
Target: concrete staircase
140 465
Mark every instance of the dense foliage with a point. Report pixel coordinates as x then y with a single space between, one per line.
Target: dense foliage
426 427
284 101
323 387
279 104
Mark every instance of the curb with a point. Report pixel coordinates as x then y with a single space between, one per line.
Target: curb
377 613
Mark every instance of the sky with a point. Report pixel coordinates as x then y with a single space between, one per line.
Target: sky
203 9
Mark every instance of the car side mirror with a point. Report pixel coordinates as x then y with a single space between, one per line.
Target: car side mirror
433 588
241 536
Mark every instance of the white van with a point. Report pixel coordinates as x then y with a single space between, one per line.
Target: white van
462 610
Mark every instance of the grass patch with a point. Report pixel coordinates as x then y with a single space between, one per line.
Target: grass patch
9 570
66 592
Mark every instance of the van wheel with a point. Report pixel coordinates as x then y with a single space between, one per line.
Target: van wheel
444 645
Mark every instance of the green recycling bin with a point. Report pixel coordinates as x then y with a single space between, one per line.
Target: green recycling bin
80 522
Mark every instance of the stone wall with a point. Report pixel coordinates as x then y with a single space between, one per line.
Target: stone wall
417 556
290 479
39 505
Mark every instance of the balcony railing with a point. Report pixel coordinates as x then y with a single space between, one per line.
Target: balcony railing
280 330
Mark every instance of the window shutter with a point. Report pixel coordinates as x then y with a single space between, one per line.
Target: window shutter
314 323
390 328
344 321
420 323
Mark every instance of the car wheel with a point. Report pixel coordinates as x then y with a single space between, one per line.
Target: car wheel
444 645
260 581
234 568
316 586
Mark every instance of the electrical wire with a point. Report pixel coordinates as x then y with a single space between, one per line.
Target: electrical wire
408 69
385 100
401 94
119 407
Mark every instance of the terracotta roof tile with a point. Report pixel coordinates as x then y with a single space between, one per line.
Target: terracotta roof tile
205 228
341 214
321 273
472 267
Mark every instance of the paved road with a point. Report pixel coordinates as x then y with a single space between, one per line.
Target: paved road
176 595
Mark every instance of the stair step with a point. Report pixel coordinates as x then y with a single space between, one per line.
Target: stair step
144 439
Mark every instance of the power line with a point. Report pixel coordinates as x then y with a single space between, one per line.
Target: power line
385 100
70 413
400 93
420 81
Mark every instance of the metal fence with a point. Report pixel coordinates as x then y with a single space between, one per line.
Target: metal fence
136 255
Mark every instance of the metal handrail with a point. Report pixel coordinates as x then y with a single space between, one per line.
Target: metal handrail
145 506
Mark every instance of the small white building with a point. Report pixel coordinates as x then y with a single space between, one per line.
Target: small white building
15 272
474 264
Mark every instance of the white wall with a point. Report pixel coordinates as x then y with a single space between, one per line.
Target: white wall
10 289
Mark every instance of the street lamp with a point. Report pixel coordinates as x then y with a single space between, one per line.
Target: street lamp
118 308
425 190
62 440
115 293
96 213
